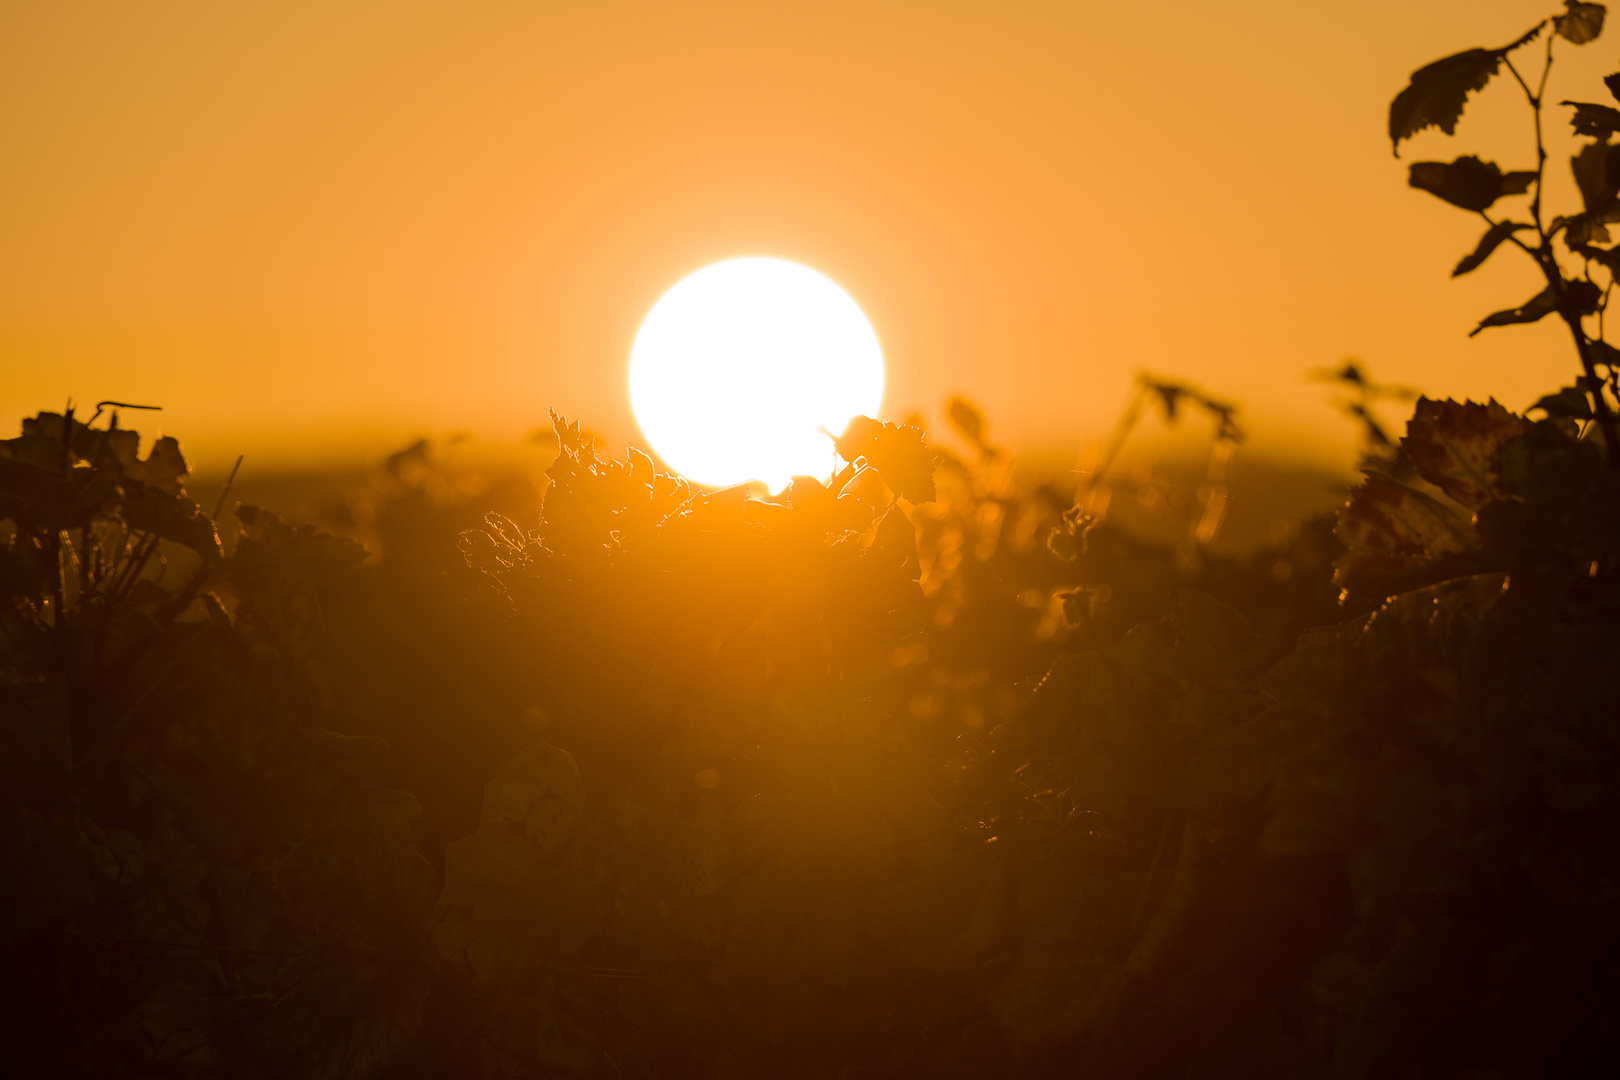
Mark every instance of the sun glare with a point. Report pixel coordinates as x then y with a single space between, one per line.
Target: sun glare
740 371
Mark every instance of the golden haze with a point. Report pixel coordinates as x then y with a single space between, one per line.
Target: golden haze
311 230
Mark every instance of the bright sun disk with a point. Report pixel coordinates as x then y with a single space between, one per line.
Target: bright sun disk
742 368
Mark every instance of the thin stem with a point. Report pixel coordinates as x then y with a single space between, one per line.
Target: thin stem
1526 248
1600 404
58 598
1547 260
1535 97
226 490
1528 93
1541 145
1122 430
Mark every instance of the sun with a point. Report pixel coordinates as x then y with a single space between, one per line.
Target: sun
741 370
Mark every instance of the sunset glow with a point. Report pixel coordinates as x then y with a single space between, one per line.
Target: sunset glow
740 371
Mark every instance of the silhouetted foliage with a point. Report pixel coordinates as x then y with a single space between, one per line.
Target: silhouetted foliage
928 770
1436 97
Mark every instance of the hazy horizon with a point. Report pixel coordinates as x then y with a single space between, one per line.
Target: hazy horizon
313 232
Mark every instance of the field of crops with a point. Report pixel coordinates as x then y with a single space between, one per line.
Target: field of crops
932 770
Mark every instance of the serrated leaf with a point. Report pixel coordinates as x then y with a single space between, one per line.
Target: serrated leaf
1467 182
896 451
1597 121
1437 92
1387 526
1494 237
1597 174
1454 446
1580 23
1535 309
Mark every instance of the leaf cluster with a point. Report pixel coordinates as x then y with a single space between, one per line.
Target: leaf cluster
817 788
201 866
1436 97
1186 842
925 771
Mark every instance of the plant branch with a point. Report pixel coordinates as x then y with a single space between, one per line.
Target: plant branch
1547 259
1600 404
1522 246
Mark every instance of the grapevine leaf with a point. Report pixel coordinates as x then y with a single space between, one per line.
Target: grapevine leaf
270 546
1454 446
1570 402
1597 121
1584 230
1517 182
895 541
1388 526
1467 182
1535 309
154 510
896 451
1494 237
1580 23
540 793
1567 505
1437 93
1597 174
1582 297
1609 257
55 499
967 420
164 467
1605 354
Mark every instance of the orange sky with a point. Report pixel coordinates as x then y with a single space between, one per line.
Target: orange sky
311 230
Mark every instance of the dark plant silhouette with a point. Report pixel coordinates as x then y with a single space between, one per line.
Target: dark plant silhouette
1436 98
925 771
